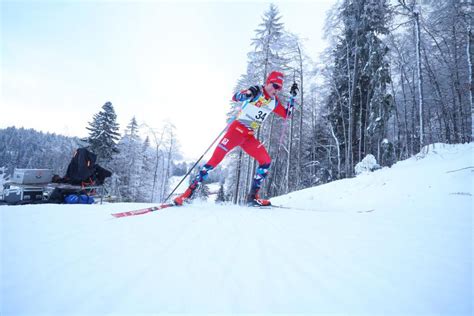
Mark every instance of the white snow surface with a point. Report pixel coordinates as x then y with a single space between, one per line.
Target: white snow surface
397 241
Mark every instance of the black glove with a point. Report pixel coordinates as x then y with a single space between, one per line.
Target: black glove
253 91
294 89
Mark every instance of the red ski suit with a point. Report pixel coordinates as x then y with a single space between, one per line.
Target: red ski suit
241 131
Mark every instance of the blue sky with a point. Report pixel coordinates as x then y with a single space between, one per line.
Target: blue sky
156 60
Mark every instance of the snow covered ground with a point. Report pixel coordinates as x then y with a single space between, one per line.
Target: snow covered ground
396 241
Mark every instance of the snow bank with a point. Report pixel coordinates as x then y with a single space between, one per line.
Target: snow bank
368 164
437 178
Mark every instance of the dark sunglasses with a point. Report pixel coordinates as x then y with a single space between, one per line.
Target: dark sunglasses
276 86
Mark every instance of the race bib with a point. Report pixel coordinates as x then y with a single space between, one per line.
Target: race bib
255 113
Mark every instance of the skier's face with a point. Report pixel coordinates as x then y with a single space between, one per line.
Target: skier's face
272 88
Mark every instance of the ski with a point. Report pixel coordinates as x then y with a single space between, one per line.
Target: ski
142 211
273 206
281 206
166 205
277 206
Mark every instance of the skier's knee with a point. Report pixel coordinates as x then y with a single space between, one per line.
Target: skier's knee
203 173
262 169
265 161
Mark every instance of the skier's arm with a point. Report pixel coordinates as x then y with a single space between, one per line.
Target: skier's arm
248 94
284 111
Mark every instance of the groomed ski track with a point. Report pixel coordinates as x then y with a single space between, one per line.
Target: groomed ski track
206 258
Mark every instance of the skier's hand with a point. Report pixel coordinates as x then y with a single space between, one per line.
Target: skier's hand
253 91
294 89
290 106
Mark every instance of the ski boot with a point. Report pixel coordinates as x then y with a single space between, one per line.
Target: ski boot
255 200
185 196
190 190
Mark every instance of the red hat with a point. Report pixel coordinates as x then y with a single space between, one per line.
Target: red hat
275 77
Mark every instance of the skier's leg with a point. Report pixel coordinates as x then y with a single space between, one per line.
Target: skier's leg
255 149
233 137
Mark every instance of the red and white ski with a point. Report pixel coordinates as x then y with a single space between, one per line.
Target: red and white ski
143 210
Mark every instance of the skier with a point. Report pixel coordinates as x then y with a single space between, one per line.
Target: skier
241 132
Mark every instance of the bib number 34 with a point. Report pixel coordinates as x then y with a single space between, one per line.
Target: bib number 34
260 115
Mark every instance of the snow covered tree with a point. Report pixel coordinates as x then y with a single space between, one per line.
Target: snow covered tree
27 148
146 173
220 194
202 193
4 177
286 137
158 159
103 134
128 162
170 149
360 105
414 11
267 44
368 164
431 36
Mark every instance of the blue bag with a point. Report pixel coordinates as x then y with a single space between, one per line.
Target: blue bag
78 199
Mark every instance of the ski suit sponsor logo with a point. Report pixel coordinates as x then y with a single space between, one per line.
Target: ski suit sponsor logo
262 102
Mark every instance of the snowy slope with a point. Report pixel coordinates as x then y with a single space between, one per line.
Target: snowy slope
397 241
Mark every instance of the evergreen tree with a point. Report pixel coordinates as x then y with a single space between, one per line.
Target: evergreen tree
203 192
27 148
128 163
267 56
433 65
220 194
103 133
4 177
146 173
359 105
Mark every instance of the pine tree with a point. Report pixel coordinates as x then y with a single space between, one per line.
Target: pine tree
103 133
128 163
220 194
4 177
431 62
359 105
268 46
146 173
27 148
202 193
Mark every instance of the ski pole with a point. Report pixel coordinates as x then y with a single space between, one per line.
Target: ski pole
202 156
289 113
195 164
